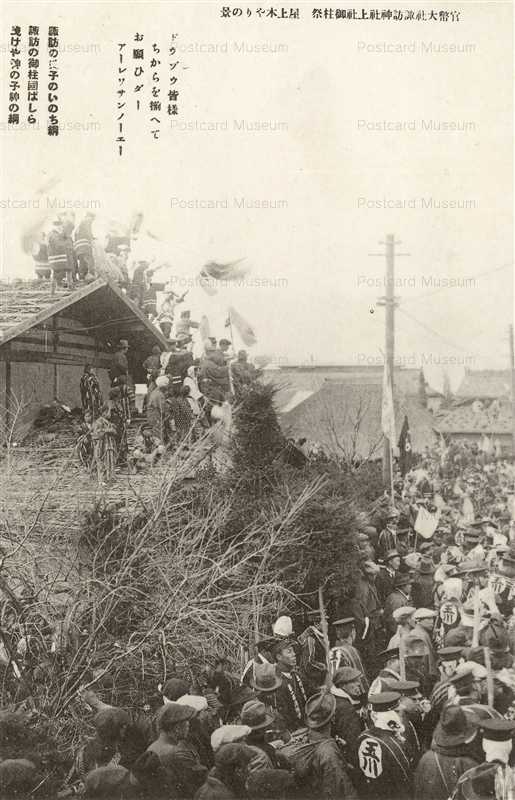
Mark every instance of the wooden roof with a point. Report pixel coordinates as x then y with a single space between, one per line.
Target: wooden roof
98 304
494 419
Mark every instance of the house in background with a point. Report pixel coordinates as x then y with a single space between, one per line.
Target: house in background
481 410
45 341
339 407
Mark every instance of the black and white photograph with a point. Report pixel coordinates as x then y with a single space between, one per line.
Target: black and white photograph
257 400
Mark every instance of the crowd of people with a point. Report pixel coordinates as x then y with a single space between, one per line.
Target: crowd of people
181 402
402 690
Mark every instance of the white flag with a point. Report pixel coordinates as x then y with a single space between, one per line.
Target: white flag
426 523
387 411
243 327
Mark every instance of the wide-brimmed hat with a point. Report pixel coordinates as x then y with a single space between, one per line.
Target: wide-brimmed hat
456 726
426 567
255 715
320 709
265 678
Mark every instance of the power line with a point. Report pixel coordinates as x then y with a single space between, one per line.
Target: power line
444 288
435 333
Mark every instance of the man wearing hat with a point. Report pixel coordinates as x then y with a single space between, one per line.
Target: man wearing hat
386 577
291 695
261 722
381 756
388 537
494 778
366 610
265 683
346 689
119 362
401 596
423 587
450 756
344 654
323 774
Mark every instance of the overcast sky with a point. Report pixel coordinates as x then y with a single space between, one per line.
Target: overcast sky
350 146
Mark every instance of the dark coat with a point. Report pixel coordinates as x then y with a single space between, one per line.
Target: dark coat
395 599
214 789
384 767
347 723
422 591
384 583
324 774
430 783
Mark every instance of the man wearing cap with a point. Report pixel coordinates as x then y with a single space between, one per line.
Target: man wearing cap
424 619
344 654
494 778
291 695
448 660
450 756
346 688
402 618
389 672
323 774
386 577
381 757
401 596
176 755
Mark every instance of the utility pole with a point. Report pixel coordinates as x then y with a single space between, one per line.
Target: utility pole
390 302
512 367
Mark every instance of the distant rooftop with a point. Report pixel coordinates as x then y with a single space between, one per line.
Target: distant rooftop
485 384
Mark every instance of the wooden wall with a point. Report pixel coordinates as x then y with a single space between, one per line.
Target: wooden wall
47 362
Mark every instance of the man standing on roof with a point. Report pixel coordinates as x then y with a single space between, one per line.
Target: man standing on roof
58 256
83 246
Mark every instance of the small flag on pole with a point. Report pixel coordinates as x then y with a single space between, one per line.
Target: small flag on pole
387 410
405 451
243 327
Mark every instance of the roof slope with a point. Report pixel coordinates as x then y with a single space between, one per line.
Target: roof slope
496 419
485 383
345 419
290 382
26 305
